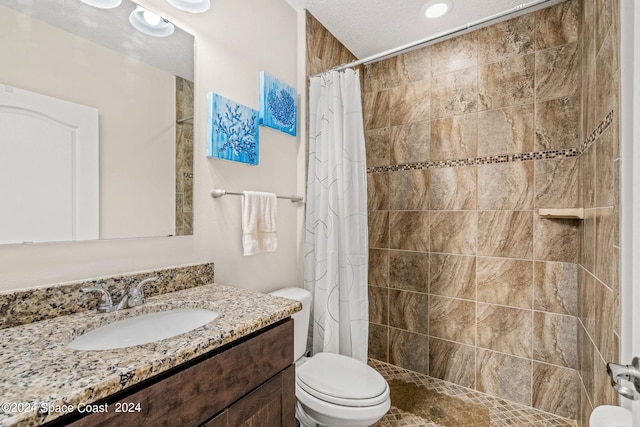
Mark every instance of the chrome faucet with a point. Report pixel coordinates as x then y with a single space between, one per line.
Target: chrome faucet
136 295
131 298
628 373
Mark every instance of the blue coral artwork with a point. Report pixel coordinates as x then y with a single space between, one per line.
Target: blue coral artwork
232 130
278 105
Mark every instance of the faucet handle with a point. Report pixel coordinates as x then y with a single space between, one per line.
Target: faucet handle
137 293
106 297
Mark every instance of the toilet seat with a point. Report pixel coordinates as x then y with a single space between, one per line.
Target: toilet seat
341 380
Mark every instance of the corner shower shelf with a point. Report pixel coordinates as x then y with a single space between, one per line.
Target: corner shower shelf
573 213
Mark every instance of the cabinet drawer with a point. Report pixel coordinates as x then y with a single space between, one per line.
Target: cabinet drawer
193 395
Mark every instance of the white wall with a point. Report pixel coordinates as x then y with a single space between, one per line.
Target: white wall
235 39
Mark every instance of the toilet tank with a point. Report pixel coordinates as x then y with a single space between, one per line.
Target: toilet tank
300 319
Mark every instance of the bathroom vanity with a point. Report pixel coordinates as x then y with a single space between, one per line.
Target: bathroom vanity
236 370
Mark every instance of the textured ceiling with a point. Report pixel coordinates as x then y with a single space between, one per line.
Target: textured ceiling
368 27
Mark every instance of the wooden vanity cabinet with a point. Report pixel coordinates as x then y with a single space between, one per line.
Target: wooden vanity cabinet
248 383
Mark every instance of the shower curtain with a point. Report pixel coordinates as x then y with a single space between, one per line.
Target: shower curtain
336 237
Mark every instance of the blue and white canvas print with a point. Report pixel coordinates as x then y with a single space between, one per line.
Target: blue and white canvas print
278 104
232 130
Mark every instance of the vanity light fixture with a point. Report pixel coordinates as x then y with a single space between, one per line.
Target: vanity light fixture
150 23
437 8
103 4
193 6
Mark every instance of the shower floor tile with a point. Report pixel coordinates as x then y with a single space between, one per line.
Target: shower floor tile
493 411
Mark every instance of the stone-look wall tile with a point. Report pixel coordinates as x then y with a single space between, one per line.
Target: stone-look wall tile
378 229
501 375
454 54
410 142
505 281
378 342
452 319
409 230
506 130
376 109
454 138
558 124
409 350
452 275
587 301
506 83
452 362
505 234
409 311
500 41
324 51
377 76
409 271
556 287
588 176
555 339
378 305
607 76
453 188
605 191
379 267
377 147
585 350
558 25
603 337
588 243
556 390
588 67
557 183
604 15
585 409
454 93
414 65
377 191
505 186
607 269
603 393
557 72
504 329
410 190
453 232
410 103
556 239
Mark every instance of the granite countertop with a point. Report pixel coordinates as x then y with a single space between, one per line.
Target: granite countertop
40 377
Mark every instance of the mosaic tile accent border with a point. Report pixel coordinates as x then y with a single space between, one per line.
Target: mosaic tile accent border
502 413
506 158
32 305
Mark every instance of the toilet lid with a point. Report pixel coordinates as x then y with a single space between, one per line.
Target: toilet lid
342 380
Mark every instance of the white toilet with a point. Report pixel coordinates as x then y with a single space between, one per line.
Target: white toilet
332 389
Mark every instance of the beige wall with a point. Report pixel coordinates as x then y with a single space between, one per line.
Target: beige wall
235 41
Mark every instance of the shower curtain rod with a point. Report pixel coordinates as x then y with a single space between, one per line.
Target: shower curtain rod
521 9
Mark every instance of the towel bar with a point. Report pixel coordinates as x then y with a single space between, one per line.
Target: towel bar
219 192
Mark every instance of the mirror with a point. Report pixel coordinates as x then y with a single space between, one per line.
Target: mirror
141 90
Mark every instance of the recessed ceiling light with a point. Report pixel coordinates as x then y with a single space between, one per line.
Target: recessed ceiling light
437 8
103 4
150 23
193 6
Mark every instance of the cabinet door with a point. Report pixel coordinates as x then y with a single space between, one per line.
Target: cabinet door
270 405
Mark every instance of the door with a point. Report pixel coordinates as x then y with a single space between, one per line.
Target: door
630 189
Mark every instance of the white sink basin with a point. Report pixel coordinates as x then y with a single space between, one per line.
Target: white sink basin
143 329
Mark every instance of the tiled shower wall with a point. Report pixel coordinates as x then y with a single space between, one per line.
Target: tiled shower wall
466 140
184 157
598 273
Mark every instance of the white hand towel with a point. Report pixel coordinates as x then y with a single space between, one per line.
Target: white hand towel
259 212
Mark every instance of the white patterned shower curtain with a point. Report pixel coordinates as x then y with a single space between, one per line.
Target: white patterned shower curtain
336 238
